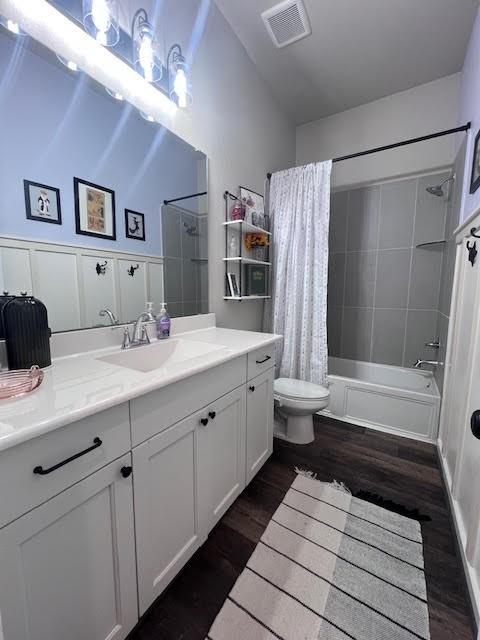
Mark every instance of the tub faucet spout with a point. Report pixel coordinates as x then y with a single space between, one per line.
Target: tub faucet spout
431 363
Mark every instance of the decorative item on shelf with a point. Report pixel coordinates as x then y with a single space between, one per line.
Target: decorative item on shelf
232 285
101 268
254 204
233 244
257 280
17 383
42 202
475 179
237 211
27 332
256 244
100 19
134 225
131 270
94 210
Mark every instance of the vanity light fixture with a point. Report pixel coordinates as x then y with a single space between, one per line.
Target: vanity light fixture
115 94
11 26
144 44
178 77
146 116
72 66
100 19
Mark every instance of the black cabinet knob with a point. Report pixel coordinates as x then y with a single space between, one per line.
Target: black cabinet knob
252 388
475 423
212 414
204 421
126 471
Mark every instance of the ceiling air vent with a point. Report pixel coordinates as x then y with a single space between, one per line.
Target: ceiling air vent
287 22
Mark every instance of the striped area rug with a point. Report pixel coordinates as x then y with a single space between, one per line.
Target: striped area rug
332 567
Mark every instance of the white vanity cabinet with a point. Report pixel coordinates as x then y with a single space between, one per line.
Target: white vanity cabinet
259 422
68 566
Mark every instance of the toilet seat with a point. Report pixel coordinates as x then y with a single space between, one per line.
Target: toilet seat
300 390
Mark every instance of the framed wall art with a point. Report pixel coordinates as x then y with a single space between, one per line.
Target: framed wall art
94 210
42 202
134 225
475 179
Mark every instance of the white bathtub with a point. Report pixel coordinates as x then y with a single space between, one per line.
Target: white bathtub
401 401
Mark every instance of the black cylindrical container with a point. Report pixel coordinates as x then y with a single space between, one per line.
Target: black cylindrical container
3 301
27 333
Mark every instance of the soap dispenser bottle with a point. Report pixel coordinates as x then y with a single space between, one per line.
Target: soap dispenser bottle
163 323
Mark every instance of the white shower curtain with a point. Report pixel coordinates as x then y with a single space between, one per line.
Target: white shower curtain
300 210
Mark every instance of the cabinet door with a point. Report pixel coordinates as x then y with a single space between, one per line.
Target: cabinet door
221 456
166 519
68 566
259 422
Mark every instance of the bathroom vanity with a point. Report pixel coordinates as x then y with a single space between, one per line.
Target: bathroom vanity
111 476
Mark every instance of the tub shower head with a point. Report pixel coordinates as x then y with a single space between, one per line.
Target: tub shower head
437 190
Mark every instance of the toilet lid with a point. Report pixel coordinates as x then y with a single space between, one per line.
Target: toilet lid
290 388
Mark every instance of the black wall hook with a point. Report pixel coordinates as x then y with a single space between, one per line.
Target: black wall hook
472 252
132 269
101 268
473 232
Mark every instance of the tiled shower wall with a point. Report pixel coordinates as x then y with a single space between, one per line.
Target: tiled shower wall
383 291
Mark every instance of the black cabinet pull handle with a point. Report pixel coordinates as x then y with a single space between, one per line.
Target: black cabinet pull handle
126 471
252 388
212 414
266 359
44 472
475 423
204 421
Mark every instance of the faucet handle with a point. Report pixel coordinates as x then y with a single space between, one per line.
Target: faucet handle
433 345
126 339
145 336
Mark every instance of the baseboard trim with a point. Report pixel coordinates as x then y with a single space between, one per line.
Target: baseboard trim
470 578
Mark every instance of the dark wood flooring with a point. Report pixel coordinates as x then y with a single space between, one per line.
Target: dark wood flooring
402 470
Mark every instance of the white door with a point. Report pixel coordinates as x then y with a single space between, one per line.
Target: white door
133 289
98 280
166 515
221 456
259 422
68 566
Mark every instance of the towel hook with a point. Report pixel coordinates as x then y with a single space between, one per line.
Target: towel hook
101 268
132 269
473 232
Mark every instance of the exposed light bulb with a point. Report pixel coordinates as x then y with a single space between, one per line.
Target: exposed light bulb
115 94
72 65
146 57
147 116
180 87
101 19
13 27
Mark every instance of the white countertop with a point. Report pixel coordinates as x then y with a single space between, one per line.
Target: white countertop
80 385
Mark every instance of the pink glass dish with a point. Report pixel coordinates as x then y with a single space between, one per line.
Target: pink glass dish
17 383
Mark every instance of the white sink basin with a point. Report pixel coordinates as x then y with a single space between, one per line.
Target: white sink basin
161 354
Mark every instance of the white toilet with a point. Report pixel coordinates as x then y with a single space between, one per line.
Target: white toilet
296 402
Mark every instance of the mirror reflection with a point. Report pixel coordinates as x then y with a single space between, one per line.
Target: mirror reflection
102 211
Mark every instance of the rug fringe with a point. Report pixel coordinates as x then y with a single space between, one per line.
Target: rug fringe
339 486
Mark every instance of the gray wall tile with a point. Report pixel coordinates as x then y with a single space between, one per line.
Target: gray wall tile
171 233
189 280
388 336
421 328
360 279
338 221
446 282
425 278
336 278
397 212
173 279
334 330
442 333
431 210
362 226
356 333
393 273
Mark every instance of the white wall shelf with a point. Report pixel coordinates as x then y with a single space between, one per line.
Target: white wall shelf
240 298
246 227
247 261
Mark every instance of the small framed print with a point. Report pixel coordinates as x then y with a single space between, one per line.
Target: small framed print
475 180
134 225
94 210
254 205
42 202
232 285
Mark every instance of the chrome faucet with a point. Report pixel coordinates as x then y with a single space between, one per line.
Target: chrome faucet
111 316
140 333
431 363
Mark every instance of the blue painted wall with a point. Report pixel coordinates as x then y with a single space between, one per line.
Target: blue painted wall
56 125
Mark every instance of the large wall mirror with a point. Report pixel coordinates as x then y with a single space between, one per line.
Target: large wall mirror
98 207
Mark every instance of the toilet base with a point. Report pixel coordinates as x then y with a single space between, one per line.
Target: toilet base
294 429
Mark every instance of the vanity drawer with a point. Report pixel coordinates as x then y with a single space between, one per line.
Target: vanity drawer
260 361
154 412
21 489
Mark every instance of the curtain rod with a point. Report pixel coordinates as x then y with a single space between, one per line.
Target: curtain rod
193 195
403 143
